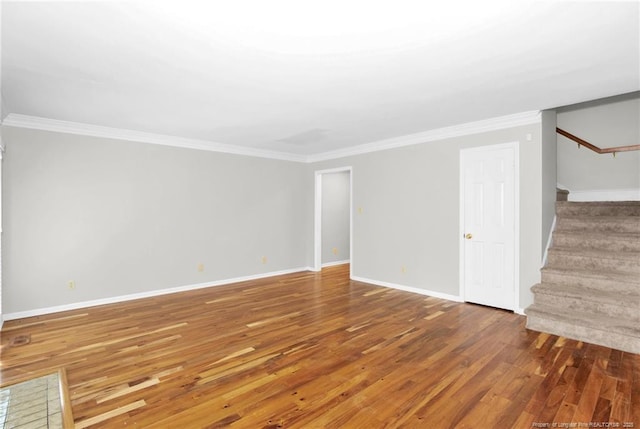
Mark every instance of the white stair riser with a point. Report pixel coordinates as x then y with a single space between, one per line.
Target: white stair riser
589 305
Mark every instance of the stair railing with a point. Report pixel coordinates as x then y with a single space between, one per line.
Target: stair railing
595 148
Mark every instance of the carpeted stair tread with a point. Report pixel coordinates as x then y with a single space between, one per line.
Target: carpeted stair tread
631 236
615 235
595 280
598 223
627 262
616 276
596 253
625 299
605 241
581 327
598 203
608 304
601 208
593 321
590 285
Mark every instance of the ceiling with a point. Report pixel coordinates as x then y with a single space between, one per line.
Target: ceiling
306 78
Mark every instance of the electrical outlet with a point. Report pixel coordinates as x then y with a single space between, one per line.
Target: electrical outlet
403 269
335 250
359 210
264 259
72 284
200 268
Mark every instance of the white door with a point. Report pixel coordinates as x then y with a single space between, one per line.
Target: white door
488 223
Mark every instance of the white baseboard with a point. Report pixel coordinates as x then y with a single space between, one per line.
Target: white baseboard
605 195
520 311
149 294
331 264
420 291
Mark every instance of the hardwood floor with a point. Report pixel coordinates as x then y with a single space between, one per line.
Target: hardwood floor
320 351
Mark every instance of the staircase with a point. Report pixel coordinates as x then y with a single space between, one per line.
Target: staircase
590 289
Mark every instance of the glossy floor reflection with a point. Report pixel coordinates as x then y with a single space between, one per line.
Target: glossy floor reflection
318 350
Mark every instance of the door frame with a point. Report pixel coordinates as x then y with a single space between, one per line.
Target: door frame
516 221
1 153
317 217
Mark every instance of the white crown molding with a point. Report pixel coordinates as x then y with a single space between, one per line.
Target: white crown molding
477 127
45 124
149 294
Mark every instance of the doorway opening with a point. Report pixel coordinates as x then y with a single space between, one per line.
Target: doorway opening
333 220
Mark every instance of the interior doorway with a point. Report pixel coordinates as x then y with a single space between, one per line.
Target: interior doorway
333 220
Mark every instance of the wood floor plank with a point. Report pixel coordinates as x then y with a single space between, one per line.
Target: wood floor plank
311 350
590 394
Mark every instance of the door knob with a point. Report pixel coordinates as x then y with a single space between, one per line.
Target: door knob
468 236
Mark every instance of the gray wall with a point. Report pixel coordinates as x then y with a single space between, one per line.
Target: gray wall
607 123
2 107
335 216
120 217
406 211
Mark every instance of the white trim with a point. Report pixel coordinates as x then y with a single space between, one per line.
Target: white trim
1 153
632 194
45 124
317 223
334 263
351 245
149 294
317 216
520 311
461 228
516 221
549 241
516 227
477 127
420 291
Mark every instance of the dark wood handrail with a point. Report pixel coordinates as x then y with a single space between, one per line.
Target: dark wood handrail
595 148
